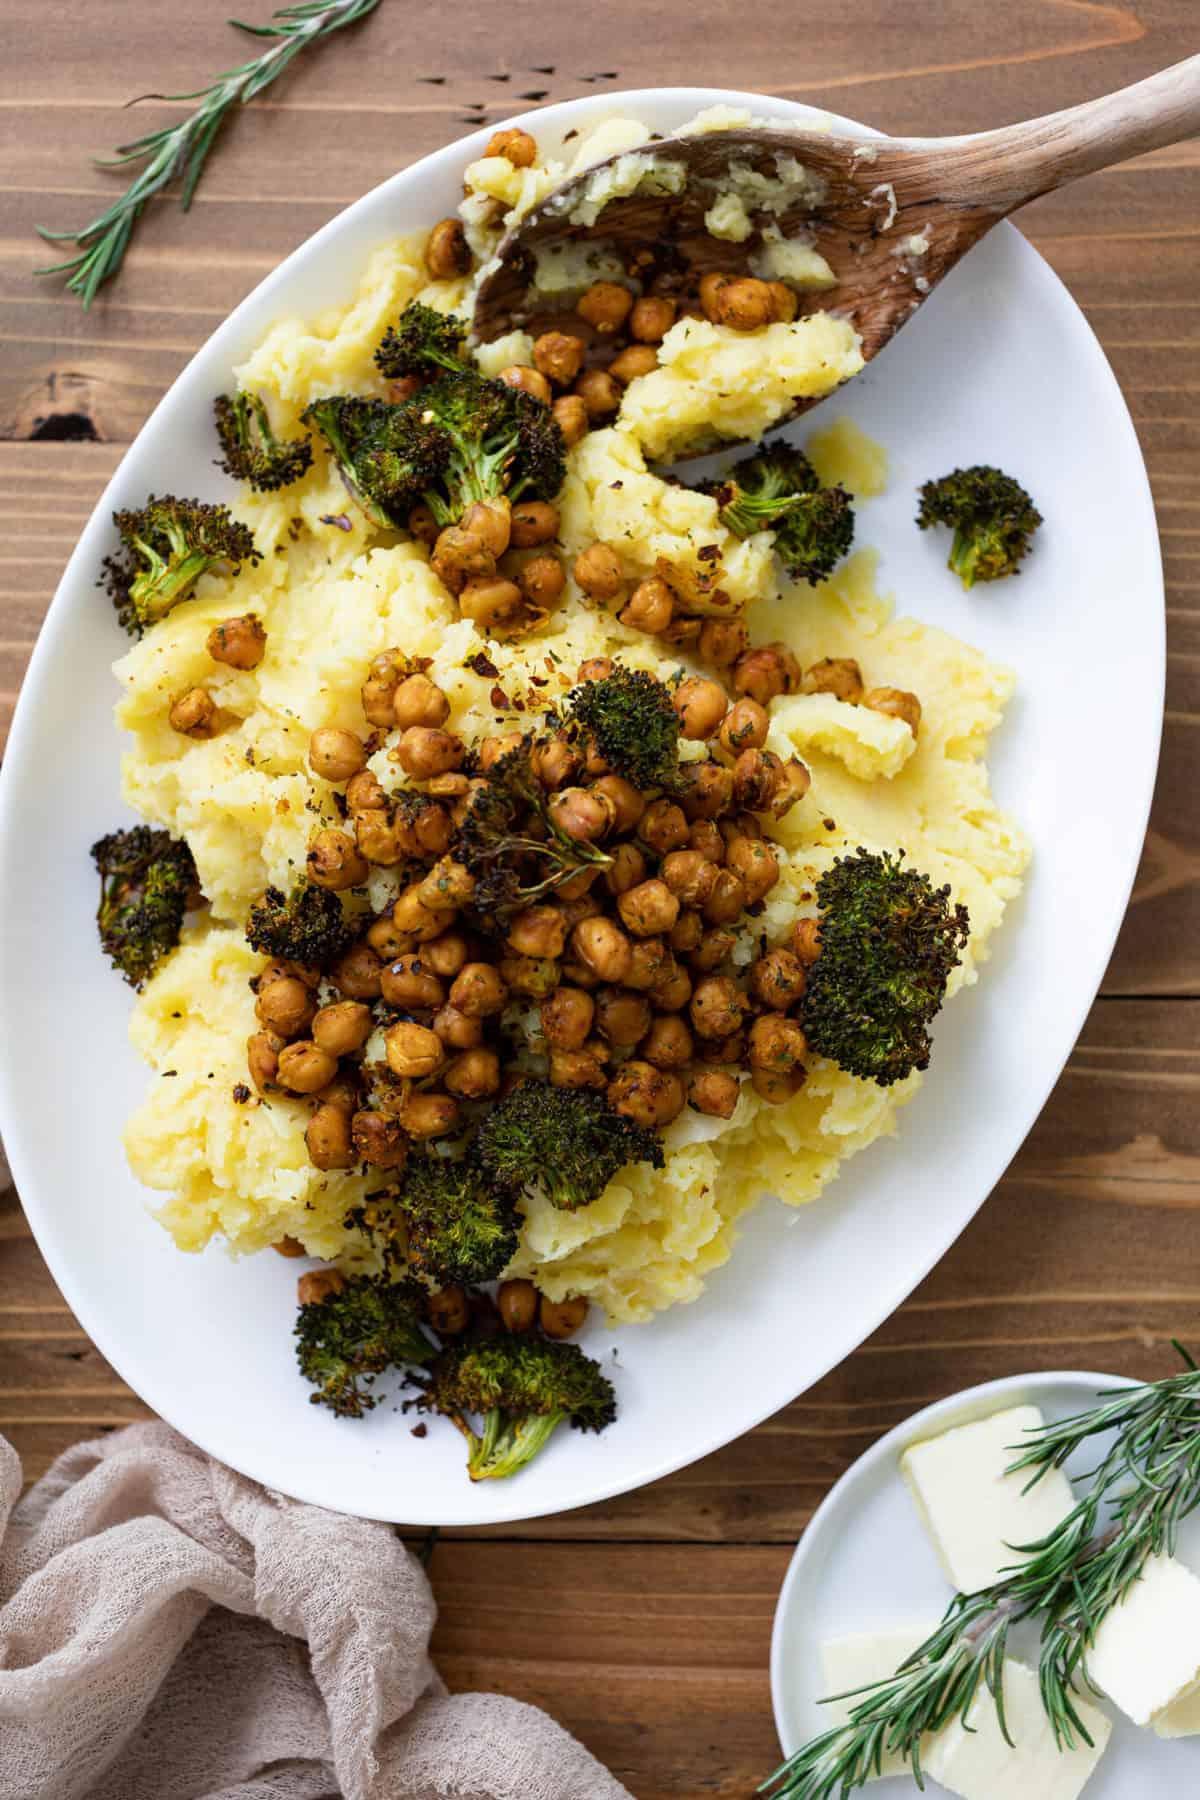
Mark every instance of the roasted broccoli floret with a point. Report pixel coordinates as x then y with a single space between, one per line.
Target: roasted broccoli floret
500 441
461 1226
147 881
512 866
368 1324
423 342
992 517
629 717
778 490
889 940
521 1388
567 1141
387 455
252 451
166 546
306 926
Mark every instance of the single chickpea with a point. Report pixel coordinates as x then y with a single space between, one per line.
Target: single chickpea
424 751
744 727
534 522
705 838
240 642
784 304
419 701
714 1093
409 984
577 906
516 146
448 885
445 954
673 990
744 304
344 1091
460 556
449 1313
528 381
284 1005
555 763
364 792
413 1051
416 921
357 974
760 675
709 292
474 1075
335 755
536 976
422 524
318 1285
796 782
668 1043
378 1140
193 714
518 1304
756 863
727 901
342 1028
598 572
722 642
712 950
647 1095
897 704
538 931
650 963
650 318
757 778
663 827
728 1051
700 706
601 945
718 1007
777 1086
541 581
648 910
705 790
478 991
637 359
777 980
491 522
562 1318
627 868
377 690
650 606
334 861
690 876
290 1247
490 750
571 416
386 938
576 1069
805 941
558 356
447 252
836 675
622 1018
605 306
566 1017
327 1138
262 1058
491 601
456 1030
303 1068
600 393
776 1043
581 814
627 801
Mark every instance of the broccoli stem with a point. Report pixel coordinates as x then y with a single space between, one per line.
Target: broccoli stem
507 1443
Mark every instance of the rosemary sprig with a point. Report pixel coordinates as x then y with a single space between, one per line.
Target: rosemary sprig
1146 1484
179 152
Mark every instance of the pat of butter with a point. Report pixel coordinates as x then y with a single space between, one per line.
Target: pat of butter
1146 1653
973 1760
848 1663
975 1512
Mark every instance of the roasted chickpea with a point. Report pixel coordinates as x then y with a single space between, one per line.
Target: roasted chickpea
290 1247
897 704
649 607
528 381
448 884
700 706
713 948
598 572
378 1140
755 862
536 976
193 714
419 701
581 814
474 1075
423 752
334 754
364 793
622 1018
357 974
449 1313
555 762
777 979
409 983
663 827
650 963
576 1069
668 1043
572 418
262 1058
240 642
594 668
650 319
558 356
345 1091
413 1051
710 287
705 790
303 1068
456 1030
318 1285
705 838
714 1093
605 306
601 945
744 304
776 1043
492 602
637 359
805 941
386 938
342 1028
534 522
728 899
566 1017
421 522
757 779
538 931
429 1115
542 580
648 910
796 782
672 991
334 861
689 876
382 680
627 801
284 1005
722 642
447 252
744 727
460 556
627 868
327 1138
647 1095
516 146
836 675
718 1007
784 304
490 749
776 1086
518 1303
562 1318
478 991
600 393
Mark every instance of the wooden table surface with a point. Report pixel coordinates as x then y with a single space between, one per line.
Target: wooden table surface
643 1624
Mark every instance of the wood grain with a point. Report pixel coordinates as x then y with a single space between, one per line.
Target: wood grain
643 1623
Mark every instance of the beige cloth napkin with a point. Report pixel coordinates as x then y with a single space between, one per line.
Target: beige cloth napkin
172 1631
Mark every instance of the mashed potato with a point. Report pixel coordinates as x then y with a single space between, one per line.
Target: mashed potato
331 594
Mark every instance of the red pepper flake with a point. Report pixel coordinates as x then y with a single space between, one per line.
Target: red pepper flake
617 485
518 703
708 552
500 699
482 664
419 1431
539 681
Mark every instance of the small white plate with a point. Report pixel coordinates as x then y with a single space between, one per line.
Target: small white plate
866 1562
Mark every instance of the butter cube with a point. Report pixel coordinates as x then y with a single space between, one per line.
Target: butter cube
973 1760
972 1510
855 1661
1146 1655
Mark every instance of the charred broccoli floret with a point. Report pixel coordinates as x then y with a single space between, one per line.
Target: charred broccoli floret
889 940
521 1388
567 1141
147 880
387 455
992 517
306 926
500 441
423 342
461 1226
629 716
368 1324
512 867
166 546
778 490
252 451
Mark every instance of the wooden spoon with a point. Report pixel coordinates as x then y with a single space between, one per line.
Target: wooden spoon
891 216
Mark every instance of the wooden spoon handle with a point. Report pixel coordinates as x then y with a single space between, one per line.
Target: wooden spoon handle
1017 162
